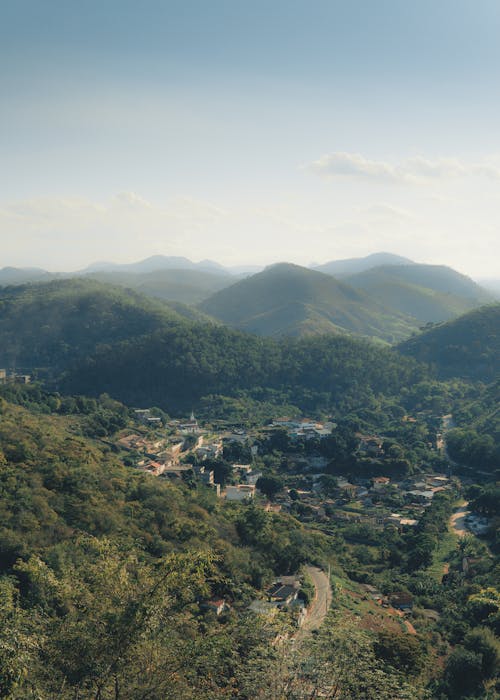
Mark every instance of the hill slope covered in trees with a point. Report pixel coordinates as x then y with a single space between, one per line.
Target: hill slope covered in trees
429 293
291 300
50 325
467 347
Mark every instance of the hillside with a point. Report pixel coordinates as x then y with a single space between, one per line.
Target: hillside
50 325
93 338
467 347
429 293
290 300
176 367
351 266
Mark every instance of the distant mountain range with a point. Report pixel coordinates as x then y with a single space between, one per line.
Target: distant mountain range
155 263
381 295
351 266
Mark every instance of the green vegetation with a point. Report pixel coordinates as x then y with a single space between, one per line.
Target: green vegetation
104 569
294 301
428 293
467 347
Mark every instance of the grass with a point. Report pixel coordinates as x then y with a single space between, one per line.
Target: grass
442 554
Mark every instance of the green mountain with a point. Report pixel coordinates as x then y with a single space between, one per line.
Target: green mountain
92 338
290 300
429 293
50 325
467 347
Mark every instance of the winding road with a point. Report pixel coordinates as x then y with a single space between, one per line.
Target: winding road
320 605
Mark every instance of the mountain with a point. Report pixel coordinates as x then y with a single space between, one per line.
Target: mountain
467 347
154 263
290 300
181 285
92 338
22 275
429 293
350 266
50 325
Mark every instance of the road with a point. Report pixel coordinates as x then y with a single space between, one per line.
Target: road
457 520
321 602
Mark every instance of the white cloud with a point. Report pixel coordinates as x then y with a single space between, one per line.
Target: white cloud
417 170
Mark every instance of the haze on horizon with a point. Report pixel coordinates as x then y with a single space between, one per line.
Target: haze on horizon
250 133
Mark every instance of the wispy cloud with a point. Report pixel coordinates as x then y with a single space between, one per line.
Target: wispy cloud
417 170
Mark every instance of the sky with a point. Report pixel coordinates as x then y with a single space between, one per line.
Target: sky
250 132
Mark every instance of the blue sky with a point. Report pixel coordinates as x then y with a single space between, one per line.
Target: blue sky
250 131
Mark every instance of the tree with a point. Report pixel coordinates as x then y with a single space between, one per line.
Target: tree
481 640
463 673
269 486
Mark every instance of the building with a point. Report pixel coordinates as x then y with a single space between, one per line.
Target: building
242 492
190 427
215 605
283 592
380 482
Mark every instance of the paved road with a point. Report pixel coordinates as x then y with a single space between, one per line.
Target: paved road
321 602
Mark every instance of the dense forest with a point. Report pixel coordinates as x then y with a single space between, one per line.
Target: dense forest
466 347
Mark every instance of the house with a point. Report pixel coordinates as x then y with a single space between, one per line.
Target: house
421 496
349 490
241 492
153 467
215 605
281 594
380 482
211 451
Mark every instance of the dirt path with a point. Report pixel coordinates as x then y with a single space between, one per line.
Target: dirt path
457 520
409 627
321 602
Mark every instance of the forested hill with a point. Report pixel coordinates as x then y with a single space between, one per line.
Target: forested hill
142 351
429 293
102 567
289 300
175 367
467 347
50 325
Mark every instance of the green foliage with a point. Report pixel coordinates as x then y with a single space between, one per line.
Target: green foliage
428 293
270 486
290 300
467 347
402 651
